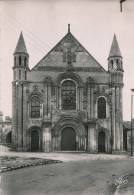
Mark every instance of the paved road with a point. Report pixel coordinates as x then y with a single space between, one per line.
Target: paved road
68 178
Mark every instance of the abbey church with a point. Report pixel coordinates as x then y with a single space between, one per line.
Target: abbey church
68 101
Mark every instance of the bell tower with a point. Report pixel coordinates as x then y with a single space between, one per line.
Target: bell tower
19 86
115 69
115 57
21 58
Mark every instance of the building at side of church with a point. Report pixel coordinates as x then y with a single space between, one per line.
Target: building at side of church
5 130
68 101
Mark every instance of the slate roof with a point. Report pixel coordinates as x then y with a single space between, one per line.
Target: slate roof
21 47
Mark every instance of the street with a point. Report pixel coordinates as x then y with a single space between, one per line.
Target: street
68 178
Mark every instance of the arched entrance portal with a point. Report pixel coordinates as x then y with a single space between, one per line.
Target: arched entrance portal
34 141
68 139
101 142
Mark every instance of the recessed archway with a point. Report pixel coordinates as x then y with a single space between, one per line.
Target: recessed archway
68 139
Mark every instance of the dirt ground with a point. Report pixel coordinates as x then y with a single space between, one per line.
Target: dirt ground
80 173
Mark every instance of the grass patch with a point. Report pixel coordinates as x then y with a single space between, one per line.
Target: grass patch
14 162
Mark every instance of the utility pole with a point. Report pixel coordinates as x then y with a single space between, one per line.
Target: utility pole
132 123
121 1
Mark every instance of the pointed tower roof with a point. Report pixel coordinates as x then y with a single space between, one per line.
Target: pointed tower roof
115 50
21 47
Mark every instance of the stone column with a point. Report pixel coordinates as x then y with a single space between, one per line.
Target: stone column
81 98
78 98
89 101
57 96
25 117
118 120
113 118
20 118
14 114
47 138
47 101
92 138
91 105
121 119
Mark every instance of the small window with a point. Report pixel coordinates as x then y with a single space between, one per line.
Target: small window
25 75
35 107
19 60
19 74
101 108
25 61
112 63
14 61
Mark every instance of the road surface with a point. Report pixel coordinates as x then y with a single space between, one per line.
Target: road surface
67 178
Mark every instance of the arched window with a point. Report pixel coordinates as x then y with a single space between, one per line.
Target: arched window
25 75
19 60
68 95
14 61
25 61
19 74
112 62
35 107
101 108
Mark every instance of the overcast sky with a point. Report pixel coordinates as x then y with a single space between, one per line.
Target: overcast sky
44 23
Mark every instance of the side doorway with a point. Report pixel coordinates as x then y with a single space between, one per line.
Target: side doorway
101 142
34 140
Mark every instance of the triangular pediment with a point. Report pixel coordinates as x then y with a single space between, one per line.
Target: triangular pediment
68 51
69 43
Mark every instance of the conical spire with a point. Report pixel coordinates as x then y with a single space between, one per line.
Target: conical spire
21 47
115 50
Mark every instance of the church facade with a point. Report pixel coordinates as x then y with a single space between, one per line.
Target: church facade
68 101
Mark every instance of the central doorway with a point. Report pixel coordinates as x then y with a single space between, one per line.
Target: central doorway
34 141
68 139
101 142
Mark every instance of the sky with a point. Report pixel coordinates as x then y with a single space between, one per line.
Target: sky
44 23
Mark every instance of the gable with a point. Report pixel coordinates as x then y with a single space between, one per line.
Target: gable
69 52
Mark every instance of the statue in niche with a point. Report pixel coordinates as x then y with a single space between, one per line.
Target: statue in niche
69 57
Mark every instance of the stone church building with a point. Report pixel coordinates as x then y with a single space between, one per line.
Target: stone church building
68 101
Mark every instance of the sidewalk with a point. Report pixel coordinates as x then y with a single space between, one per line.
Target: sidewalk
62 156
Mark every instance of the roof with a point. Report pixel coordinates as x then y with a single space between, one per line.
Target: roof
115 50
21 47
68 41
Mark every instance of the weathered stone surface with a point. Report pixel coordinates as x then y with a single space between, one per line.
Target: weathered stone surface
68 61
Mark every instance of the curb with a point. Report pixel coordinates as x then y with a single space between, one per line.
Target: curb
5 169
